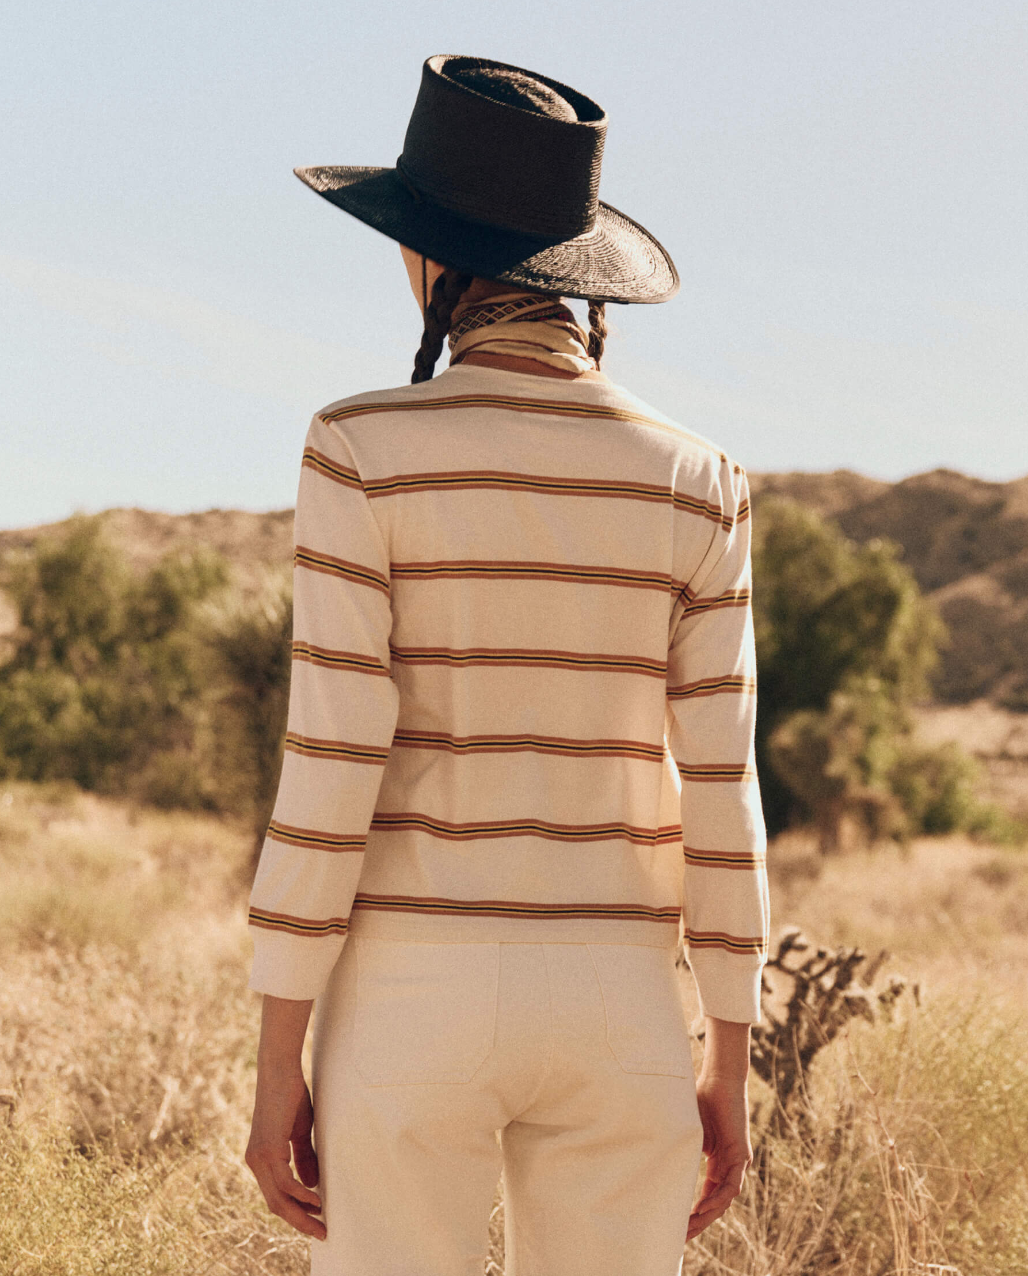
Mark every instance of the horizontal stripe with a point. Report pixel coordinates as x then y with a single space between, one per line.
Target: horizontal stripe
737 683
730 598
723 859
324 465
329 659
573 573
297 925
514 908
316 561
715 772
336 750
315 840
528 743
545 407
544 484
413 821
754 944
522 657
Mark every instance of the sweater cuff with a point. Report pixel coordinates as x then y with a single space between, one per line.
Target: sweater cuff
728 986
292 966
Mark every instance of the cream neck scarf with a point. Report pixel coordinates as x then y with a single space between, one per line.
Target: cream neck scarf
524 325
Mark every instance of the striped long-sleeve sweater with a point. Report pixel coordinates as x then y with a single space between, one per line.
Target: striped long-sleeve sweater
523 693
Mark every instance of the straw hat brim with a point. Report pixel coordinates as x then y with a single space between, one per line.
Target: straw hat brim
618 260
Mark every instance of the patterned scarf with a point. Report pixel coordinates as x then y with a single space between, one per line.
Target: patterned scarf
521 324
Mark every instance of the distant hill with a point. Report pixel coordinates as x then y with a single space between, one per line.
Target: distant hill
252 543
966 541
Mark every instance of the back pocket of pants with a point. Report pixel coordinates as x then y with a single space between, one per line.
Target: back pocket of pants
646 1025
424 1012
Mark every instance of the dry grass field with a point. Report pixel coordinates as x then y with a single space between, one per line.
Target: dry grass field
127 1060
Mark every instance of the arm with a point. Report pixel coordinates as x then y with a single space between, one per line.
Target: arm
712 714
343 707
724 1112
283 1119
711 692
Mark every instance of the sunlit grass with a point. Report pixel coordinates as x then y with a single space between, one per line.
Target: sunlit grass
73 1211
127 1061
79 869
911 1159
946 909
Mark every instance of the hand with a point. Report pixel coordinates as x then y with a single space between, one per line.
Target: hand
724 1112
282 1119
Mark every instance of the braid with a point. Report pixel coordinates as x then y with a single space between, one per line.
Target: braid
447 290
597 330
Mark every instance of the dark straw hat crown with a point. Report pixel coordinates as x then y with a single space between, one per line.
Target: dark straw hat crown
499 177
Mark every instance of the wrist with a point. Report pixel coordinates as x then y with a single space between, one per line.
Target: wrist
283 1028
711 1079
282 1080
726 1053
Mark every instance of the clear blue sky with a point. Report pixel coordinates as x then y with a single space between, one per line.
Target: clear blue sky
844 187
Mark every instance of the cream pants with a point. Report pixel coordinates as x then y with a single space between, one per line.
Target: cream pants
578 1054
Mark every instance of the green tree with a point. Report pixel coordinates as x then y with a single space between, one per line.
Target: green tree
101 677
845 643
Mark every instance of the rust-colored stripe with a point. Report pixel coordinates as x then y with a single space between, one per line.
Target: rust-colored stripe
545 484
730 598
353 661
528 743
439 905
545 407
308 927
587 662
413 821
715 772
728 683
324 465
314 839
514 480
336 750
316 561
743 944
722 859
572 573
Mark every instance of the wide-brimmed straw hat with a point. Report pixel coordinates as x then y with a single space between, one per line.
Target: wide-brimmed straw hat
499 178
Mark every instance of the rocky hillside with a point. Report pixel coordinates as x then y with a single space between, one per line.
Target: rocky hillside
965 540
252 543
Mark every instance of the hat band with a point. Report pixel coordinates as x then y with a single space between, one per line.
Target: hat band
552 219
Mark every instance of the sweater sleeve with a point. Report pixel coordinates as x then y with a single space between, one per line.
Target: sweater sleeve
711 716
343 708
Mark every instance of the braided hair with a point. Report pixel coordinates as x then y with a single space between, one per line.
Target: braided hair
447 290
597 330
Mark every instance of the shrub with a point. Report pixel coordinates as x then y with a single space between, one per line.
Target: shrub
845 644
102 675
936 788
836 763
168 687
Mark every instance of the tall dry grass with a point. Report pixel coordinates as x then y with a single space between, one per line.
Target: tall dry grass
127 1045
127 1062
